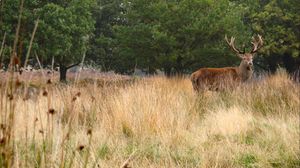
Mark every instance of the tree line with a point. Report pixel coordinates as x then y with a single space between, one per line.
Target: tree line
175 36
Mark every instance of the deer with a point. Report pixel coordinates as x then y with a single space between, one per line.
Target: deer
216 78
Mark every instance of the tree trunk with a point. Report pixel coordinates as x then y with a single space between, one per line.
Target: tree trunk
289 63
167 71
179 66
63 73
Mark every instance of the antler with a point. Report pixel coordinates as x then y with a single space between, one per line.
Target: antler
257 43
231 45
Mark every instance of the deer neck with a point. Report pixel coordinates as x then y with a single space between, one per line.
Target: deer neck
245 72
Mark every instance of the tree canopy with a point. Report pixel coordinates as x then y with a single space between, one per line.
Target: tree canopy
279 22
175 36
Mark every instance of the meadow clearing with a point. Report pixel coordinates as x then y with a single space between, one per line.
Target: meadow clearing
148 122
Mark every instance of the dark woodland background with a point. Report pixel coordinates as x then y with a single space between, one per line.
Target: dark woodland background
174 36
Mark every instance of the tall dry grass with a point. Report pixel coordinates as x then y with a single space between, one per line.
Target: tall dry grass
153 122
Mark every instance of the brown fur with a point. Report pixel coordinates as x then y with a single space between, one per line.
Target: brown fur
213 78
219 78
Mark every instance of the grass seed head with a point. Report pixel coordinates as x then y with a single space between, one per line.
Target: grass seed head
89 131
2 141
51 111
45 93
80 147
49 81
2 126
10 96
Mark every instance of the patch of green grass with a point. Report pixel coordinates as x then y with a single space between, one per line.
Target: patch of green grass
251 135
185 158
286 163
293 162
260 107
152 152
131 147
103 151
286 159
249 140
247 160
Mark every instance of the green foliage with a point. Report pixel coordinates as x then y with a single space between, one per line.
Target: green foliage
278 22
174 35
64 31
280 27
8 23
106 15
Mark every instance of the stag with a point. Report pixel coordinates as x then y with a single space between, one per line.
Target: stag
216 78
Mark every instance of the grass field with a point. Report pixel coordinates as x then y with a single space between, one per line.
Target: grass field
149 122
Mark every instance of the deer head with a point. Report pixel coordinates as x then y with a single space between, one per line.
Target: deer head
247 57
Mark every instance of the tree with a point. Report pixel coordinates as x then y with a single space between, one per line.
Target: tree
8 24
135 39
177 36
278 21
64 32
107 15
198 27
